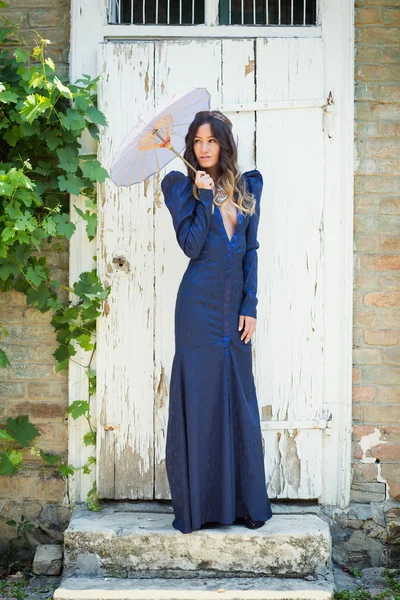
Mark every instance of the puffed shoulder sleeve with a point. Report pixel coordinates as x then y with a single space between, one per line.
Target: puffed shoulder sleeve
254 183
190 217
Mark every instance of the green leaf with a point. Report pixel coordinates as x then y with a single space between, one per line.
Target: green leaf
4 362
63 352
53 139
12 523
93 170
66 470
37 237
7 467
26 223
82 101
13 211
6 97
21 55
89 439
49 226
88 284
91 220
22 430
54 303
61 366
43 168
13 135
64 91
25 72
52 459
38 297
69 159
71 184
8 269
72 120
36 79
4 435
90 313
50 63
36 275
96 116
78 408
64 226
85 342
94 131
34 105
91 227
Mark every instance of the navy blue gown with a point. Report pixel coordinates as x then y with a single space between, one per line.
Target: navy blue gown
214 455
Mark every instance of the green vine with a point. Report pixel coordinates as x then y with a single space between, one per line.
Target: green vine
42 118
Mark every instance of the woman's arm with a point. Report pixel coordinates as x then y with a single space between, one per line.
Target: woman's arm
191 217
250 259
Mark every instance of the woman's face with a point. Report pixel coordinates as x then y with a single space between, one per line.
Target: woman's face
206 147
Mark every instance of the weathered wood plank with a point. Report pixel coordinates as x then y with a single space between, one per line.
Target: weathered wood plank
289 339
238 85
125 330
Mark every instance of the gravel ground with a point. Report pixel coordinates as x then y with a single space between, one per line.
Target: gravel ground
23 586
370 579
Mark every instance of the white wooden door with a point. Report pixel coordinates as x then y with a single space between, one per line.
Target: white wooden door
138 255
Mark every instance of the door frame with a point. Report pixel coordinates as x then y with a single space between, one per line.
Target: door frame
88 29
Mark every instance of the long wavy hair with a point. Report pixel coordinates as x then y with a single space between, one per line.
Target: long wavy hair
230 179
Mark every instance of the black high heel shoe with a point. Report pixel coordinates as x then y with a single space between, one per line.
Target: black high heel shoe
209 525
251 524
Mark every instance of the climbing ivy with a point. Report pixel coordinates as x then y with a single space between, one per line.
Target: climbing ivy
42 118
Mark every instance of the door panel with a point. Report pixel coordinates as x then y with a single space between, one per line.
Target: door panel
289 340
136 336
124 357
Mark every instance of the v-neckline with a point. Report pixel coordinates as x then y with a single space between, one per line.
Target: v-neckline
222 224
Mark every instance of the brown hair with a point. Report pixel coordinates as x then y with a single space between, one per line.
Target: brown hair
230 180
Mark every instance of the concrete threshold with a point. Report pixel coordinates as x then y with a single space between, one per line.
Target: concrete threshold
233 588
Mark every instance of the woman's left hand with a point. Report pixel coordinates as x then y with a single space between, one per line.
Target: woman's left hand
248 324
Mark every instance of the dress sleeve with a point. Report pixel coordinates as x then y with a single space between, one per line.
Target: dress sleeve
250 258
190 217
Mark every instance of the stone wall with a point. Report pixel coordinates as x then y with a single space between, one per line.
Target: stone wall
31 385
376 391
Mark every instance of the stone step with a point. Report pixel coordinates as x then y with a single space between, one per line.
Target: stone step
234 588
129 544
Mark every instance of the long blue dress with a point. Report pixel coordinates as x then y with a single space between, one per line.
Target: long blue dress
214 455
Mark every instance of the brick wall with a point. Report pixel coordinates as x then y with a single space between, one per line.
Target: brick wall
50 18
376 352
31 385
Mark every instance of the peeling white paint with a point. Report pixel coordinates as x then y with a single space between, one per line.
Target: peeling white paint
289 338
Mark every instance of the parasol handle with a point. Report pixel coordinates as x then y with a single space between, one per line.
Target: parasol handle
170 147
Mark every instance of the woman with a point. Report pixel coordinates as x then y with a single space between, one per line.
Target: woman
214 456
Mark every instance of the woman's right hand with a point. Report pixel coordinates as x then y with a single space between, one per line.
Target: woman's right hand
204 181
